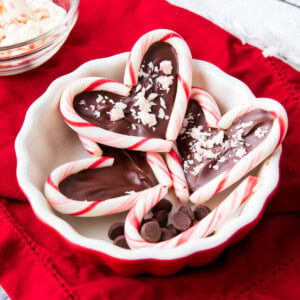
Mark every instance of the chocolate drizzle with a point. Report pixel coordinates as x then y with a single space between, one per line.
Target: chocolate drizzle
156 89
130 172
207 152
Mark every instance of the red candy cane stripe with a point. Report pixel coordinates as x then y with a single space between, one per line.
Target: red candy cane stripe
208 105
253 158
184 73
212 116
91 147
200 230
101 207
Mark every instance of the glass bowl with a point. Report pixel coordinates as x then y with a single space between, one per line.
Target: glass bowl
24 56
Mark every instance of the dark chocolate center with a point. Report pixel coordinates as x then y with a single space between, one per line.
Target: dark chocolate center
130 172
207 152
146 111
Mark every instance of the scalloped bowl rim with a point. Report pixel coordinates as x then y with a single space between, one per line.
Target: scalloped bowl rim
43 211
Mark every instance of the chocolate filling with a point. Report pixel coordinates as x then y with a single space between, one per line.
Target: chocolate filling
130 172
155 91
207 152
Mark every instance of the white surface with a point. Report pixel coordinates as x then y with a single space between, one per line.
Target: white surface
40 151
271 25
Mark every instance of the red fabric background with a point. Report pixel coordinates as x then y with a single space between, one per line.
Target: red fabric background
35 263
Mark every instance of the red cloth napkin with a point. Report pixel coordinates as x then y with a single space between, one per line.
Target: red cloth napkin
35 263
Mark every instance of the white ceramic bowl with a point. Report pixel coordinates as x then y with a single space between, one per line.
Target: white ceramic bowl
45 142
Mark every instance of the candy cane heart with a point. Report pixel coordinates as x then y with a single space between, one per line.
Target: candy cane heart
211 154
106 185
200 230
212 115
146 112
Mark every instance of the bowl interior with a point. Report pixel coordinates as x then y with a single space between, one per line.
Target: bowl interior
40 151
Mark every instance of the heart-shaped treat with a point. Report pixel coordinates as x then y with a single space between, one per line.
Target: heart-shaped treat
107 185
213 153
200 229
146 112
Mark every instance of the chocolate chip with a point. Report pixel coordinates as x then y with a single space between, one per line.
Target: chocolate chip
166 234
145 221
162 217
121 242
181 221
186 209
172 229
201 211
115 230
151 231
163 204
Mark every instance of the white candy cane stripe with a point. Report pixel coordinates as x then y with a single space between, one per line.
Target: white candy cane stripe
212 116
180 185
91 147
253 158
69 206
184 80
208 104
159 168
96 134
200 230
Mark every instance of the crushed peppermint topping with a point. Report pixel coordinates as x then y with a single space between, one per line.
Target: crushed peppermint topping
244 125
162 102
97 114
152 96
82 102
120 105
260 132
116 114
161 113
147 118
138 88
240 152
165 82
99 98
166 67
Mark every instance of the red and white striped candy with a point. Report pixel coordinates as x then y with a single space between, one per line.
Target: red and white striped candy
113 139
254 157
184 80
100 207
90 146
200 230
212 116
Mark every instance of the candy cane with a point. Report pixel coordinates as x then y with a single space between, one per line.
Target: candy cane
212 116
253 158
200 230
91 147
96 134
180 185
69 206
184 80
